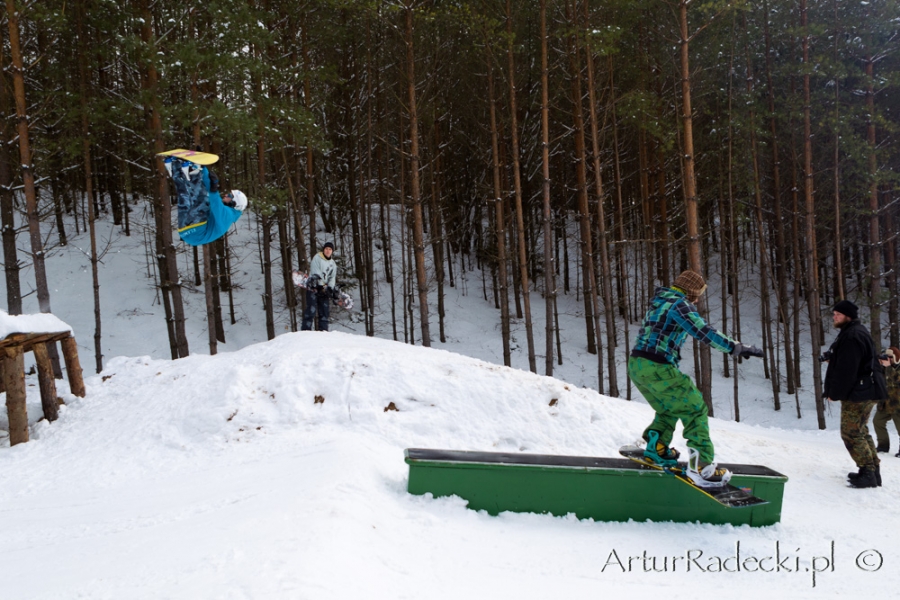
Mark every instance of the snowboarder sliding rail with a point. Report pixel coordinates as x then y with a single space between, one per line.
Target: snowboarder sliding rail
653 366
204 215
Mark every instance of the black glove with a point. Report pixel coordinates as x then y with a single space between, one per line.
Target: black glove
743 351
826 356
336 293
213 182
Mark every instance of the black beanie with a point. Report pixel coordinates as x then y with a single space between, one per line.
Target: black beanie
845 307
328 245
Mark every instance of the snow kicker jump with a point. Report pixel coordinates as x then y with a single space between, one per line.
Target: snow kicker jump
204 215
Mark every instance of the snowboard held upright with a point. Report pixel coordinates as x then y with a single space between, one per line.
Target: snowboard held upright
727 495
340 298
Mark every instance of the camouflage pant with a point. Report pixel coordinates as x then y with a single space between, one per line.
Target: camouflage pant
887 411
855 433
674 397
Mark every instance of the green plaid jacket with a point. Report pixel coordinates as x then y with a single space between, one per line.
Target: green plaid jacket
670 319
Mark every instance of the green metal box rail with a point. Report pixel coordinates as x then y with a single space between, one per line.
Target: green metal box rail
603 489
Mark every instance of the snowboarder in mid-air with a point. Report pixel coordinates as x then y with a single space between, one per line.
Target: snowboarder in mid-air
653 366
204 215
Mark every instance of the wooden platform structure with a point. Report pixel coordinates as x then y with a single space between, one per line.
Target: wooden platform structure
12 368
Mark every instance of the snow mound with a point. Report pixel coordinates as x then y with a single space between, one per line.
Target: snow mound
399 394
277 472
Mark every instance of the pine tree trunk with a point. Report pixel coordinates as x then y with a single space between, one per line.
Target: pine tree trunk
310 156
31 207
284 246
517 185
875 255
7 209
690 190
812 291
589 273
606 272
796 240
503 277
780 245
265 220
733 239
415 189
165 249
891 266
838 242
368 223
620 254
83 78
763 246
549 263
437 229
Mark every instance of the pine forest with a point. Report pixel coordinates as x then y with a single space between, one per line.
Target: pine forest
589 148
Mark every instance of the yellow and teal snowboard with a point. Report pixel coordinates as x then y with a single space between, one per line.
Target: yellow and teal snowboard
726 495
194 156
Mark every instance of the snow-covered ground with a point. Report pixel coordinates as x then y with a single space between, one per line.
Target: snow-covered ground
222 477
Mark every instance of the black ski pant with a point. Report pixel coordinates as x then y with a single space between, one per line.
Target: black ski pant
316 302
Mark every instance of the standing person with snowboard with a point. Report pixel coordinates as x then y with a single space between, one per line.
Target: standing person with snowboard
856 379
889 409
653 366
319 289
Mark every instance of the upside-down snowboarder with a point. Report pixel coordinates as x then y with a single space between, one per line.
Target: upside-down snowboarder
653 366
204 215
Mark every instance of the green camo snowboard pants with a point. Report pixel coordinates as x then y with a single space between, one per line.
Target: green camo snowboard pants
673 396
885 413
855 433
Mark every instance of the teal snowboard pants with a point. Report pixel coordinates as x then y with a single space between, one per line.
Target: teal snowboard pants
673 396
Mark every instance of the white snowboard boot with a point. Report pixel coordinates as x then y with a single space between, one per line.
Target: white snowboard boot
706 476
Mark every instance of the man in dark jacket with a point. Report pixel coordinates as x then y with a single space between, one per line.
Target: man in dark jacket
855 378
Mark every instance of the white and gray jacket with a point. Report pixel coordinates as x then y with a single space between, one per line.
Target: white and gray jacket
325 268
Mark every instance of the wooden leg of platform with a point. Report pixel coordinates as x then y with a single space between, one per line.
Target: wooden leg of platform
13 368
49 398
73 366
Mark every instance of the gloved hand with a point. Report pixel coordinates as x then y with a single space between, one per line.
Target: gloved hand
743 351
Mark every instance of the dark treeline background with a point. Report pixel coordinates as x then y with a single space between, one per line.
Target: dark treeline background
594 148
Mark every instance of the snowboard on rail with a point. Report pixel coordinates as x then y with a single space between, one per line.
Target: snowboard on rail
306 282
726 495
